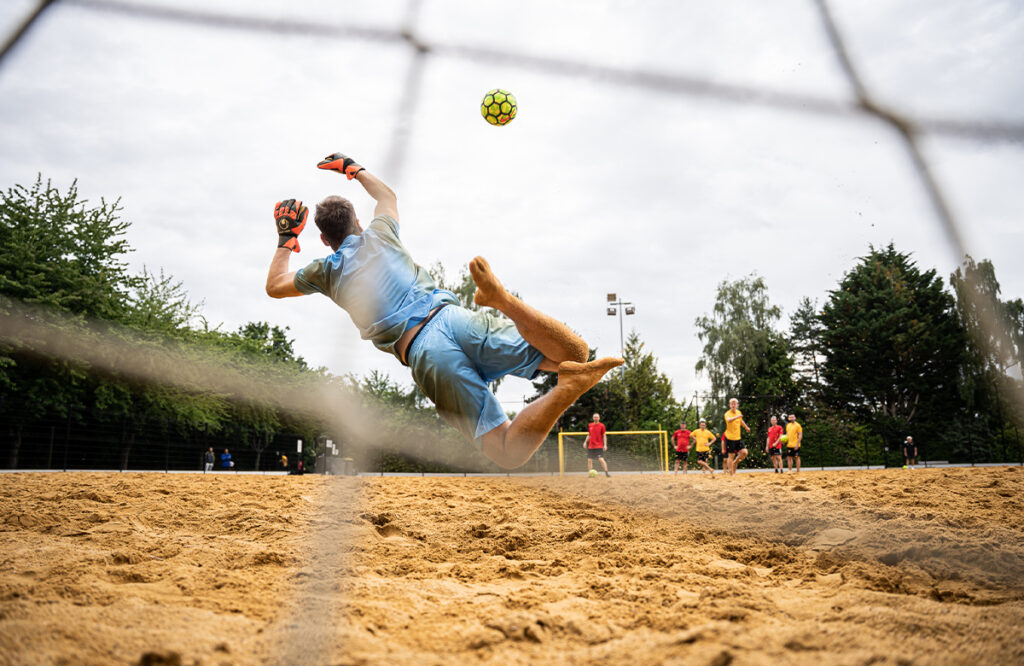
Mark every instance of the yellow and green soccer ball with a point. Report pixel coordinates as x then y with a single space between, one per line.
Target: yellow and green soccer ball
593 473
499 107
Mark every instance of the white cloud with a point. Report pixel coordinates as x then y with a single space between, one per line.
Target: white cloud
594 188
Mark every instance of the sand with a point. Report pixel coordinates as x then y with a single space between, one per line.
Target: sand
859 567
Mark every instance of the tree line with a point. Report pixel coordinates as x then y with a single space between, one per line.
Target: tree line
65 257
893 350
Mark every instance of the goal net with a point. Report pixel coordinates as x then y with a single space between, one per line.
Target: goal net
636 451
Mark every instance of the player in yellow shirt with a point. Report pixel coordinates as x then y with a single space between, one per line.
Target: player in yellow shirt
734 447
703 437
794 438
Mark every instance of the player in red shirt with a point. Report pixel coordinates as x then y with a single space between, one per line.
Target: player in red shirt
773 447
596 444
682 439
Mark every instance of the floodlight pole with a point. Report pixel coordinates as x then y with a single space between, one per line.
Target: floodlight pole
615 306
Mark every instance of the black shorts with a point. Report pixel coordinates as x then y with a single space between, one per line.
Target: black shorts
908 453
682 455
702 456
792 452
734 446
777 451
595 453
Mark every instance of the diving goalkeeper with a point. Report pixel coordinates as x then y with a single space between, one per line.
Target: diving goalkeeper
453 352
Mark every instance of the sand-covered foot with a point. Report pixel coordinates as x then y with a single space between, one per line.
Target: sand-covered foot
581 377
489 291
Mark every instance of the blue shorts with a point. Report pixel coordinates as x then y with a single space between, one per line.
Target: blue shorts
457 354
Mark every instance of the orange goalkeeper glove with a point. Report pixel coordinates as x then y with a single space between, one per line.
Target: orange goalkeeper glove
290 216
341 163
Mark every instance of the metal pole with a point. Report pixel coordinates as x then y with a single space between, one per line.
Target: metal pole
622 345
1020 450
1002 424
561 456
67 436
970 447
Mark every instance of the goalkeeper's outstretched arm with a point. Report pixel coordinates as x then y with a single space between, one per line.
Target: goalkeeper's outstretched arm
281 281
387 202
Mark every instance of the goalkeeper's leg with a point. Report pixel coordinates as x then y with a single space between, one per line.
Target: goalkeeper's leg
546 334
512 443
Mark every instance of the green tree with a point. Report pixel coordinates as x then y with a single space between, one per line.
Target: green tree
805 343
893 344
271 341
159 303
736 334
56 250
745 357
995 331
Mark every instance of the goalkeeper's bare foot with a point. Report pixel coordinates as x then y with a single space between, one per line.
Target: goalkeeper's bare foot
581 377
489 291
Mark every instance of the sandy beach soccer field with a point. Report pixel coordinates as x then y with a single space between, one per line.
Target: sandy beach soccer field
859 567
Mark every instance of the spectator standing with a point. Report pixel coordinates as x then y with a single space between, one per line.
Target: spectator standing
909 453
225 460
208 460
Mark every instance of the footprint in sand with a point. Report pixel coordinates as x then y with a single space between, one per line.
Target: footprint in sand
832 537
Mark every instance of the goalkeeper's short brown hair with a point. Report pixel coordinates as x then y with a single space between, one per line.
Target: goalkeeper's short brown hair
336 219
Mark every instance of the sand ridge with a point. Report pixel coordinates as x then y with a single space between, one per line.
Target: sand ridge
888 566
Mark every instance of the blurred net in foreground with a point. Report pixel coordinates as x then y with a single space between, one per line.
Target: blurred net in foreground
908 129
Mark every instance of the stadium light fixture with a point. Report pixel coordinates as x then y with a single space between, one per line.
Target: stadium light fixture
616 307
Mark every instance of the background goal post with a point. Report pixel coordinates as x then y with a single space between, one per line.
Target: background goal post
628 451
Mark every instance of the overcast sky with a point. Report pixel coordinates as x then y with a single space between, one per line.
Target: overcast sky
595 187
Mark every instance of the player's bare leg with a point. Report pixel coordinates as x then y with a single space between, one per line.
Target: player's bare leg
512 443
739 458
546 334
604 465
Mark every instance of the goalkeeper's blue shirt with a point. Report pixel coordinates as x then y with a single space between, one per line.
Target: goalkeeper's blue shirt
374 279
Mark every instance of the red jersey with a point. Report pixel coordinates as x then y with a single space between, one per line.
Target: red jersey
773 436
682 440
596 438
